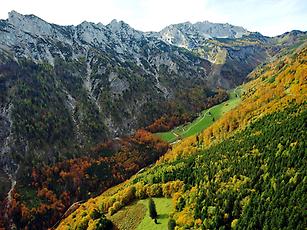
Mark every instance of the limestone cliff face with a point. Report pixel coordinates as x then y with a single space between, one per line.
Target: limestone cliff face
190 35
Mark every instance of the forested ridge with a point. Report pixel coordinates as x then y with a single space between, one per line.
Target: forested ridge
45 195
246 171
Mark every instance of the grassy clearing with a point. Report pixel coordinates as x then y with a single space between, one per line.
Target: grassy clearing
164 208
206 118
136 216
167 136
129 217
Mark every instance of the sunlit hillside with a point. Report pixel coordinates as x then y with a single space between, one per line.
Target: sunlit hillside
246 171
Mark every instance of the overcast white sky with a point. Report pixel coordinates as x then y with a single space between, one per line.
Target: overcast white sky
270 17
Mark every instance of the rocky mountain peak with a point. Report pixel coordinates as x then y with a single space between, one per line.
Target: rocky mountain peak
220 30
14 14
39 40
29 23
116 26
124 31
114 22
189 35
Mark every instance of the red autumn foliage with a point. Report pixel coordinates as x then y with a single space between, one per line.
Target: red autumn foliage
60 185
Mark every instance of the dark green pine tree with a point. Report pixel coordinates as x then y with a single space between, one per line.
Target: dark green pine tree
152 209
171 224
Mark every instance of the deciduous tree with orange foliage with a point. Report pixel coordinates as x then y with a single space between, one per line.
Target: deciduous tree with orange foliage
63 183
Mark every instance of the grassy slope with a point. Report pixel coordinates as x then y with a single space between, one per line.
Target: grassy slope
136 216
206 118
164 207
129 217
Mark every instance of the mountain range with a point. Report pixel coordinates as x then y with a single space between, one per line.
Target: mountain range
66 89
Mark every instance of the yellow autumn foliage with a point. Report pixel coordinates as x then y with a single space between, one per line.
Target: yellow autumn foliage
270 91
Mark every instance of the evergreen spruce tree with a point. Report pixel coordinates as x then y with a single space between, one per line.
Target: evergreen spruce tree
171 224
152 209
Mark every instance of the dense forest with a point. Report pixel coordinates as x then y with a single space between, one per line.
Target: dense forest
43 196
246 171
